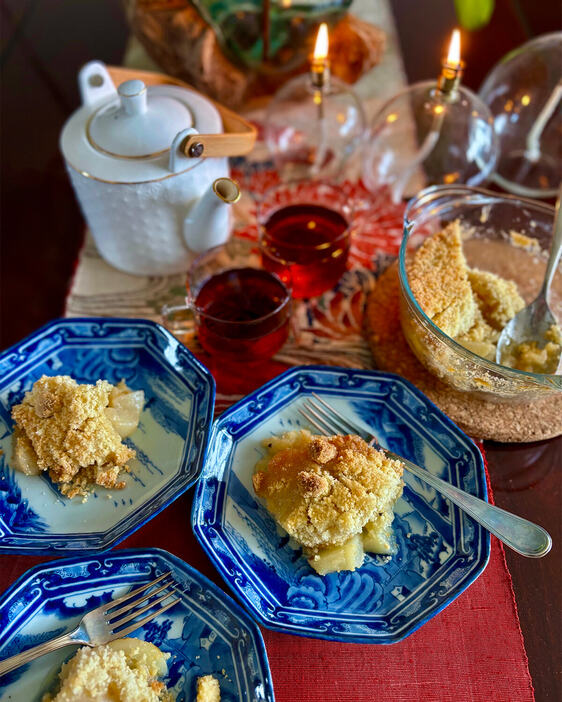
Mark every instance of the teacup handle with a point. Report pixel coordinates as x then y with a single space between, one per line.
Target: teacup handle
178 319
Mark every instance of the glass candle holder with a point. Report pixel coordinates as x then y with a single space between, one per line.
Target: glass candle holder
424 137
311 132
305 234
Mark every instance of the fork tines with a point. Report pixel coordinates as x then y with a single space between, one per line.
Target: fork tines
143 595
325 418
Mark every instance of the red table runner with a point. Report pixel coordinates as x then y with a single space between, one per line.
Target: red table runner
473 650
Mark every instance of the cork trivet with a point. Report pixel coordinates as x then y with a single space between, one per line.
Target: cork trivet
533 421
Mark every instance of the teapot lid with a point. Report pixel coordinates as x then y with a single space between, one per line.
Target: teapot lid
132 134
138 123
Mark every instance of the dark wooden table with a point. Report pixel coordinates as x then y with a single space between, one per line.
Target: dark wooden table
44 42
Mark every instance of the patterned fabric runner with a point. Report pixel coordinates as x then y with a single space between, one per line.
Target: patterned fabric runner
327 329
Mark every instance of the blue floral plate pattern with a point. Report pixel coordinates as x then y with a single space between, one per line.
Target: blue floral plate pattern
170 440
440 550
206 633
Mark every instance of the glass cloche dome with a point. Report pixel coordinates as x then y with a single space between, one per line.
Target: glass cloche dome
524 94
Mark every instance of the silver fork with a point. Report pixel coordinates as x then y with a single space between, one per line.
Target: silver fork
522 536
103 624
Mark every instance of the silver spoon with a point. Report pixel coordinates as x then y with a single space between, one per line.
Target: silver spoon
535 320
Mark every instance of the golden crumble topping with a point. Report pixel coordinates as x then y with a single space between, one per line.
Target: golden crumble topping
438 277
469 305
324 491
498 300
481 338
124 670
530 243
65 428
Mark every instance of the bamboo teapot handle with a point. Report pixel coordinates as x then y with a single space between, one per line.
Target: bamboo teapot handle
239 135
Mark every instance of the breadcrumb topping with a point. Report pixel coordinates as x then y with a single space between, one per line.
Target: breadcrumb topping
62 427
324 490
438 277
469 305
498 299
108 673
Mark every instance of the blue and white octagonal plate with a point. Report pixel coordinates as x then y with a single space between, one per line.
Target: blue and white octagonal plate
170 440
440 549
206 633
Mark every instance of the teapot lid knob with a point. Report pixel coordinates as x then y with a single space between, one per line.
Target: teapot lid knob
133 96
141 123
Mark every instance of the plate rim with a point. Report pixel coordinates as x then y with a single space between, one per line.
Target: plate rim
181 564
105 542
387 639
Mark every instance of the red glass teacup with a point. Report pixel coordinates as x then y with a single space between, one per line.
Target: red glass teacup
305 232
241 311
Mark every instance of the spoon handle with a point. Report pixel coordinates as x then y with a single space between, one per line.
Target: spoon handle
522 536
555 249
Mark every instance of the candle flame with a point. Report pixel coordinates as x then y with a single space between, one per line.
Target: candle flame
454 55
321 46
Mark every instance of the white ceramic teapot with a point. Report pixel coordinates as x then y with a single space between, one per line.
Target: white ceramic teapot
143 163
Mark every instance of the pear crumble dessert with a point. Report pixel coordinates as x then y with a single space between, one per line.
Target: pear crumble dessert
438 277
469 305
124 670
334 495
528 356
74 432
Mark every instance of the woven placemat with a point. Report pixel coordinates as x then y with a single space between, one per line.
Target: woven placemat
533 421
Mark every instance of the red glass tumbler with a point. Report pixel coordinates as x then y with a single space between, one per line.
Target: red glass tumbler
241 311
305 232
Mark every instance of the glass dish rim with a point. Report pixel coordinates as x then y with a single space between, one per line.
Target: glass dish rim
479 196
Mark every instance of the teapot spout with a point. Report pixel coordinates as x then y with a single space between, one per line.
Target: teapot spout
226 190
208 222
